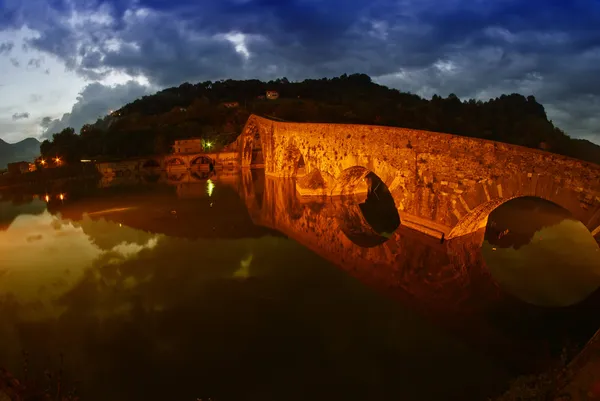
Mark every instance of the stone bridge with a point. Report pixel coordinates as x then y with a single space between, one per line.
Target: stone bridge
441 183
176 163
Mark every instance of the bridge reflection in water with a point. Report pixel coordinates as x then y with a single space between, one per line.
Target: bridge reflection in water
460 282
454 279
451 283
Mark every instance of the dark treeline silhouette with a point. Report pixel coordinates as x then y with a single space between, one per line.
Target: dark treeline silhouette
150 125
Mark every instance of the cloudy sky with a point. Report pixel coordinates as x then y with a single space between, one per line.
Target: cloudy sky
67 62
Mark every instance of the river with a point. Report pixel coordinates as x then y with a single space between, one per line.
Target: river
235 288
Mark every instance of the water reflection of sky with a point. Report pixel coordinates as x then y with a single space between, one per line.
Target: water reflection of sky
540 254
43 256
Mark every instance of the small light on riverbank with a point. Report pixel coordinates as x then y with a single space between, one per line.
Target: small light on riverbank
47 198
210 187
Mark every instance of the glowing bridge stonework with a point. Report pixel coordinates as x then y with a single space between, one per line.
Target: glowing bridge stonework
441 183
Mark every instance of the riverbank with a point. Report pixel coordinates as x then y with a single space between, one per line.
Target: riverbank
35 178
581 379
577 380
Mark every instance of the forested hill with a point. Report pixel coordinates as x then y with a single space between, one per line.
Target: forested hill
151 124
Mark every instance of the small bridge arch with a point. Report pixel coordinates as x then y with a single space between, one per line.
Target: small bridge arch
202 159
176 162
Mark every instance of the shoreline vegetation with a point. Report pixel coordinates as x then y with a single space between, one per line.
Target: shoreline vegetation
49 176
560 382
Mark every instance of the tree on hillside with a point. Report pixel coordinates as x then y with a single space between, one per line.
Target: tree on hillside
66 145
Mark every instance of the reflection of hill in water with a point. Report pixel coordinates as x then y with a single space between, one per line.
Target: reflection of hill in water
522 217
9 210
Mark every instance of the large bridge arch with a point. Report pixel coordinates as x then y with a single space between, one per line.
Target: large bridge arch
356 179
474 207
256 135
479 217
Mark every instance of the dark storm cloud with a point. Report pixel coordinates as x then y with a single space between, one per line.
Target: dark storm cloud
473 48
94 101
20 116
6 47
35 62
46 121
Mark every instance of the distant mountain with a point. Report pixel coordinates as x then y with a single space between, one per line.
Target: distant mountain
26 150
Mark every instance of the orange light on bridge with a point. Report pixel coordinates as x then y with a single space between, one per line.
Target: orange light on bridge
61 197
47 197
43 162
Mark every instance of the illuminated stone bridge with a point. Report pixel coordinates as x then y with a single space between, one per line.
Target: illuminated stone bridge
440 183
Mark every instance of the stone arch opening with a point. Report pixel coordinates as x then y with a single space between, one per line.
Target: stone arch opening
202 160
375 216
257 156
539 252
247 149
175 162
478 218
202 165
257 139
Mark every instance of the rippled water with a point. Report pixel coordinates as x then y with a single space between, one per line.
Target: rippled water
236 289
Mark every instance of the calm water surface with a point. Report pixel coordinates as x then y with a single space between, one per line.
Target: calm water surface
237 289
